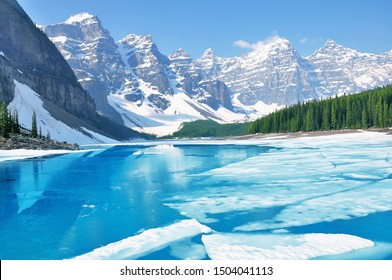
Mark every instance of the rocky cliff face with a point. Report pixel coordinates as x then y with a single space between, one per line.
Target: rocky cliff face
92 53
144 58
6 80
29 57
204 88
38 62
274 72
340 70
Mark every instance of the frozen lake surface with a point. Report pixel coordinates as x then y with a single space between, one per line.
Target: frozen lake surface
325 197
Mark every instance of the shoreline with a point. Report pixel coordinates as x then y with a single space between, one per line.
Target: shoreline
16 142
22 153
309 134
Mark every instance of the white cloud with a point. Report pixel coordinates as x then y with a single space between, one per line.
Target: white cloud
242 44
258 45
304 40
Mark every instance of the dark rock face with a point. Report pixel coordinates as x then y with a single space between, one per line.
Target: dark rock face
6 83
26 142
219 91
147 62
28 56
194 82
92 53
40 64
159 101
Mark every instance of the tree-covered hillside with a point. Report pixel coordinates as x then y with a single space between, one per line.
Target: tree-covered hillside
208 128
371 108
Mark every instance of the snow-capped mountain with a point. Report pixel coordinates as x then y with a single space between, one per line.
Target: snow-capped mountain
155 93
273 73
35 77
150 91
92 54
342 70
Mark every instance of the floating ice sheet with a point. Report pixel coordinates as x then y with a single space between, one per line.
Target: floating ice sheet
147 241
19 154
311 179
230 246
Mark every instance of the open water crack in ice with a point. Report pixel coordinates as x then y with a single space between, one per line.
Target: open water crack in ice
339 181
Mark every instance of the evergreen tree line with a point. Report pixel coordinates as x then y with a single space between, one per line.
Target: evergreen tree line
371 108
9 122
209 128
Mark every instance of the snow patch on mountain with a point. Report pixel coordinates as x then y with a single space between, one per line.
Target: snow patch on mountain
26 101
78 18
145 117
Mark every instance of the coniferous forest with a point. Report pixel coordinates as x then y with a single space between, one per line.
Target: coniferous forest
371 108
9 122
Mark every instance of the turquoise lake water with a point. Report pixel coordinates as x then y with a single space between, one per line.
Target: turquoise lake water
189 201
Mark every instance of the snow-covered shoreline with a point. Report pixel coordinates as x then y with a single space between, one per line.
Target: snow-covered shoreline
20 154
276 139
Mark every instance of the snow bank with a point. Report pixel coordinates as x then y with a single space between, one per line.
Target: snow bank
146 242
222 246
7 155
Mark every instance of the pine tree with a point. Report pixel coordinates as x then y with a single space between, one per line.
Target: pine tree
334 118
16 122
367 109
379 113
365 122
326 123
4 123
34 132
309 120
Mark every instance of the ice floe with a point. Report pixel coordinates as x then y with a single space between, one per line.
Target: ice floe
147 241
229 246
312 179
7 155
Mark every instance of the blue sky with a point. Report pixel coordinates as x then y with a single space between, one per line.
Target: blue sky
198 25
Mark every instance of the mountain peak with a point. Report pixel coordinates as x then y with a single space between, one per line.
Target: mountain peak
180 53
208 53
331 47
330 44
133 39
271 44
79 18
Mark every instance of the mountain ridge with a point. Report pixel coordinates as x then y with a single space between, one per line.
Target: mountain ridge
35 77
270 76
